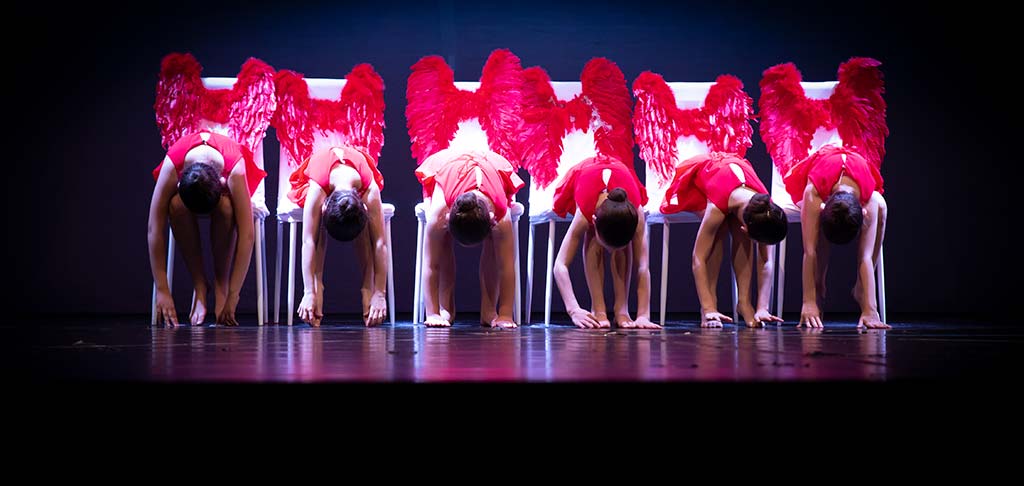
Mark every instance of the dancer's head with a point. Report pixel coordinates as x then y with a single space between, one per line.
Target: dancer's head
200 188
841 217
764 220
344 215
615 220
469 219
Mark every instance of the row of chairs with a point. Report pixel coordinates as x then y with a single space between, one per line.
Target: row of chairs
577 146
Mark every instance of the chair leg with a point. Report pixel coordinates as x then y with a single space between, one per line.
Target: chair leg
291 271
664 270
259 273
277 275
780 285
735 295
266 273
418 283
518 312
391 271
550 273
880 283
170 261
152 310
529 274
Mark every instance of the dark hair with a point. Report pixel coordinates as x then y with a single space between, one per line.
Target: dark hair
765 220
344 216
200 188
616 219
841 219
469 220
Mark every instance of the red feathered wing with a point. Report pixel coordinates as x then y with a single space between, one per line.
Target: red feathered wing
357 115
859 109
722 122
435 106
856 109
602 106
182 102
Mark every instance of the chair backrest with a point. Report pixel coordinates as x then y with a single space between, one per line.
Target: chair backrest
259 198
576 146
814 91
319 88
688 96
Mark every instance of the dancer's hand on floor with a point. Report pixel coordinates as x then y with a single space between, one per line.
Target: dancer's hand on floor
308 311
227 315
165 309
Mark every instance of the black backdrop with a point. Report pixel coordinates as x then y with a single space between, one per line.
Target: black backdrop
79 179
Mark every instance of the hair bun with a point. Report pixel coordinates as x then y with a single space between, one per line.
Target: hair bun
618 194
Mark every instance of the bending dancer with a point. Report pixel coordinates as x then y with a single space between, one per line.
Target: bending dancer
838 187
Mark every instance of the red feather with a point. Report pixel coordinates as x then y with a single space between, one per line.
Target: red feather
501 87
178 94
603 106
182 101
729 110
722 122
788 118
856 109
358 114
543 127
435 106
294 117
859 109
604 87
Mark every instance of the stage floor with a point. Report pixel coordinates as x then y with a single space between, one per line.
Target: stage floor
128 349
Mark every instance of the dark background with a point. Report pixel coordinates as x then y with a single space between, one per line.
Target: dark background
85 141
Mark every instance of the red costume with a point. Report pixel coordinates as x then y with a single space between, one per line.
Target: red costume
231 151
461 172
824 168
318 169
584 182
709 177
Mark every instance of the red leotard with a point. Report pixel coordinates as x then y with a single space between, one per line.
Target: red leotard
317 168
461 172
584 183
824 168
707 177
230 150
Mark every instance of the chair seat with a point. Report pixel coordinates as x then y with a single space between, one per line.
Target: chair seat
548 216
517 210
295 215
657 217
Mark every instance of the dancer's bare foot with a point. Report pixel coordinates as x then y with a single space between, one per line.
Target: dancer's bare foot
503 322
645 323
623 321
602 320
713 319
198 314
487 317
872 321
747 313
437 320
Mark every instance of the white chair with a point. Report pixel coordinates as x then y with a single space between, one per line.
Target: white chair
469 136
688 96
290 213
259 209
817 91
576 146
